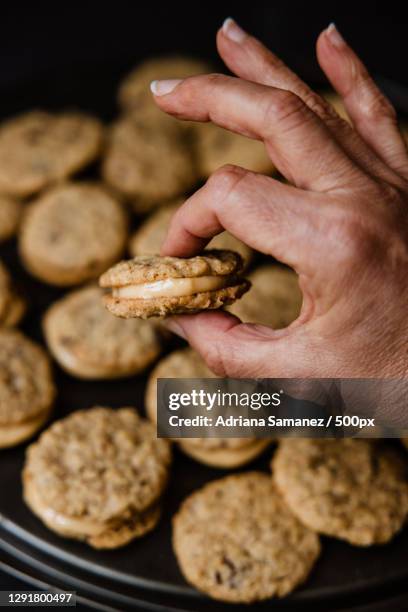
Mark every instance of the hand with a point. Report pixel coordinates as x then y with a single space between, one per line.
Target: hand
341 223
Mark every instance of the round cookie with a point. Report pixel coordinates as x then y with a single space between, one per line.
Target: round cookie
98 476
275 298
237 541
88 342
351 489
217 147
150 235
26 388
148 161
10 214
134 91
72 233
149 286
39 148
216 452
12 305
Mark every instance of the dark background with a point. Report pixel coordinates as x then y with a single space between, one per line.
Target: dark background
74 43
73 53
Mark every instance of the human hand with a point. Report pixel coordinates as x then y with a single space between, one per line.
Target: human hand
341 223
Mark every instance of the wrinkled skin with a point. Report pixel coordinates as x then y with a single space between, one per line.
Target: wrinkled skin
341 221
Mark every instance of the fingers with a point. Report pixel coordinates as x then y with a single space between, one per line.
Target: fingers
236 350
371 112
298 143
246 57
260 211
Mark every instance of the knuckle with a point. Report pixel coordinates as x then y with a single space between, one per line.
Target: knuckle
280 106
375 106
224 180
214 79
320 107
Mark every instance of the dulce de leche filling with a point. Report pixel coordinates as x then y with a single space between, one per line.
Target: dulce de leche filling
172 287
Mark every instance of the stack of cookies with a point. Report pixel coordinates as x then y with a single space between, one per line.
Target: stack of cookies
99 475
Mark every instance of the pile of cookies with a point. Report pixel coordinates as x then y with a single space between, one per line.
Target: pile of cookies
99 475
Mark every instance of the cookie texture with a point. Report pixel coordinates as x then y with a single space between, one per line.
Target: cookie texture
150 235
236 540
351 489
27 390
88 342
12 305
10 215
149 268
39 148
275 298
134 92
148 160
217 147
98 476
72 233
217 452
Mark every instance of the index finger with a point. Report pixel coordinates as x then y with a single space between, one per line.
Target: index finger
298 142
259 210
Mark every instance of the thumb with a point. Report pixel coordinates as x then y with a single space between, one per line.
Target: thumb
232 349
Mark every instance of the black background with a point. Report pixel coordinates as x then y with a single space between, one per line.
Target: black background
63 48
65 39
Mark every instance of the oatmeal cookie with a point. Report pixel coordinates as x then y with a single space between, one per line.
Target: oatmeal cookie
72 233
98 476
150 285
352 489
236 540
39 148
27 390
88 342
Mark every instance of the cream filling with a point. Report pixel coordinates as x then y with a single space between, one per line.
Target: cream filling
171 287
60 522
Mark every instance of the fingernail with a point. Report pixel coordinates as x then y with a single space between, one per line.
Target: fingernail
334 35
174 327
161 88
232 30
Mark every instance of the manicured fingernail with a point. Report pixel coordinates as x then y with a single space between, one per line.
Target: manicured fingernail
334 35
232 30
174 327
161 88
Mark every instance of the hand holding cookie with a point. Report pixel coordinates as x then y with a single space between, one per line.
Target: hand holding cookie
340 222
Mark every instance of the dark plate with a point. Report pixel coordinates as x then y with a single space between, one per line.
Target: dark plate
148 565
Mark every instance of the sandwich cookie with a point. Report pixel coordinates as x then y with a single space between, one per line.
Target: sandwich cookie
39 148
216 452
237 541
12 305
72 233
351 489
88 342
149 286
27 390
275 298
150 235
98 476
